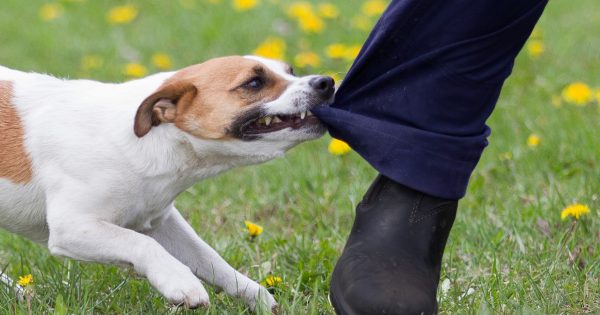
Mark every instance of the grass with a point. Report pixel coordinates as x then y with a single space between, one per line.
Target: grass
508 253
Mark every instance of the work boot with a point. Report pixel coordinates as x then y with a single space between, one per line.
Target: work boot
392 259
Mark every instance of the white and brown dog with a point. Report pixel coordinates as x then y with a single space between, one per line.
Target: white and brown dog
92 169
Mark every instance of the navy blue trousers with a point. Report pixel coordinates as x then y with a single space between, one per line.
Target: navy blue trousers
415 101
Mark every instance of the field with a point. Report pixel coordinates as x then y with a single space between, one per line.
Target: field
509 252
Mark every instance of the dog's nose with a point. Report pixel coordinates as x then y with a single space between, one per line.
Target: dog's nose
324 85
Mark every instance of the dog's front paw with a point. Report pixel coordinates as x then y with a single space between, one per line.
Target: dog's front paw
180 287
262 301
10 287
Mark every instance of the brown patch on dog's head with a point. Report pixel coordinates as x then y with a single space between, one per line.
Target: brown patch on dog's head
15 164
205 99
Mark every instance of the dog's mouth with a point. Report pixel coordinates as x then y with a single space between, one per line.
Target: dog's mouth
272 123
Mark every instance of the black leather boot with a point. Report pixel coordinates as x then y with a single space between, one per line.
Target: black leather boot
391 262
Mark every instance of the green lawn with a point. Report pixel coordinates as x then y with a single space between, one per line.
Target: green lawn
509 251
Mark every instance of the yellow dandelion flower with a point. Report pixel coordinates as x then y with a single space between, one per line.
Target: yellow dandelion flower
134 70
307 19
91 62
336 51
307 59
244 5
162 61
556 101
300 10
351 52
533 140
25 280
122 14
577 93
50 11
254 229
328 11
362 22
575 210
311 24
338 147
374 7
535 48
272 281
272 47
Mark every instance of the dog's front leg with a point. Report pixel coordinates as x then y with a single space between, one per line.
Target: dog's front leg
178 237
87 238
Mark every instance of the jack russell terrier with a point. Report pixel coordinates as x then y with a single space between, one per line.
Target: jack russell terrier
92 169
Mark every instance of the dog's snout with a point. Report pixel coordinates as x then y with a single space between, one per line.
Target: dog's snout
324 85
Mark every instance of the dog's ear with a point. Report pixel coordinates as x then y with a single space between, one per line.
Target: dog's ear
162 106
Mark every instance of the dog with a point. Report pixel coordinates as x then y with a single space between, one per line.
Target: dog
91 169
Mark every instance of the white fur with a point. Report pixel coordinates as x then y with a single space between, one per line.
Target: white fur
101 194
9 286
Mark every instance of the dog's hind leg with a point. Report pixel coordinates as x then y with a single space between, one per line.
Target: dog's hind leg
180 239
9 286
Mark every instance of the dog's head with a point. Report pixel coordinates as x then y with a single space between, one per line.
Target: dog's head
249 98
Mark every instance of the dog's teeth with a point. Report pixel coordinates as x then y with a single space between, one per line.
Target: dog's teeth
268 120
261 121
276 119
309 113
302 115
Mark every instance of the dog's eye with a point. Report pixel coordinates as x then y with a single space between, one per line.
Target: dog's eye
254 84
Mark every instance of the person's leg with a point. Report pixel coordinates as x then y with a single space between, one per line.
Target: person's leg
415 101
414 105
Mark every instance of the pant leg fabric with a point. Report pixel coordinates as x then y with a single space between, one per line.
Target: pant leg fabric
415 101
